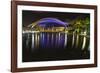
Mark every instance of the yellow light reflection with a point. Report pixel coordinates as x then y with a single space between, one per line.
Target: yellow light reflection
77 41
73 40
65 44
84 41
32 41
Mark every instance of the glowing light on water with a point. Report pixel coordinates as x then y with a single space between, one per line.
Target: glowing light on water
77 40
84 41
58 39
48 40
42 39
32 42
27 40
65 43
73 40
36 40
52 39
56 43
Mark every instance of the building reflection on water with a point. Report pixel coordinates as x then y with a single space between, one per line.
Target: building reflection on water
43 46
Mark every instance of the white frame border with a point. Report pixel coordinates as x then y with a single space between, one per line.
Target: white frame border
52 63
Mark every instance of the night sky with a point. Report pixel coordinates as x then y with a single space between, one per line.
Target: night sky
29 17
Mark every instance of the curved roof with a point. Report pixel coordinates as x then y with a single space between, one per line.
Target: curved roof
51 22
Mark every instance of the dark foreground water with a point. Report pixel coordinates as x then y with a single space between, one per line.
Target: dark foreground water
54 46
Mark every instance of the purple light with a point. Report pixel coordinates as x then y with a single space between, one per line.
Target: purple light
45 22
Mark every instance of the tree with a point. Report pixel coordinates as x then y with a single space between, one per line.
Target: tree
80 25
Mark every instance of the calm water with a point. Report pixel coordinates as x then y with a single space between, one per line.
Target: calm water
54 46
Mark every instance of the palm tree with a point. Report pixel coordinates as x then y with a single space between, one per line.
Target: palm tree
80 25
77 24
87 25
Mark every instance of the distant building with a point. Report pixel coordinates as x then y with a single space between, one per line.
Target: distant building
49 25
